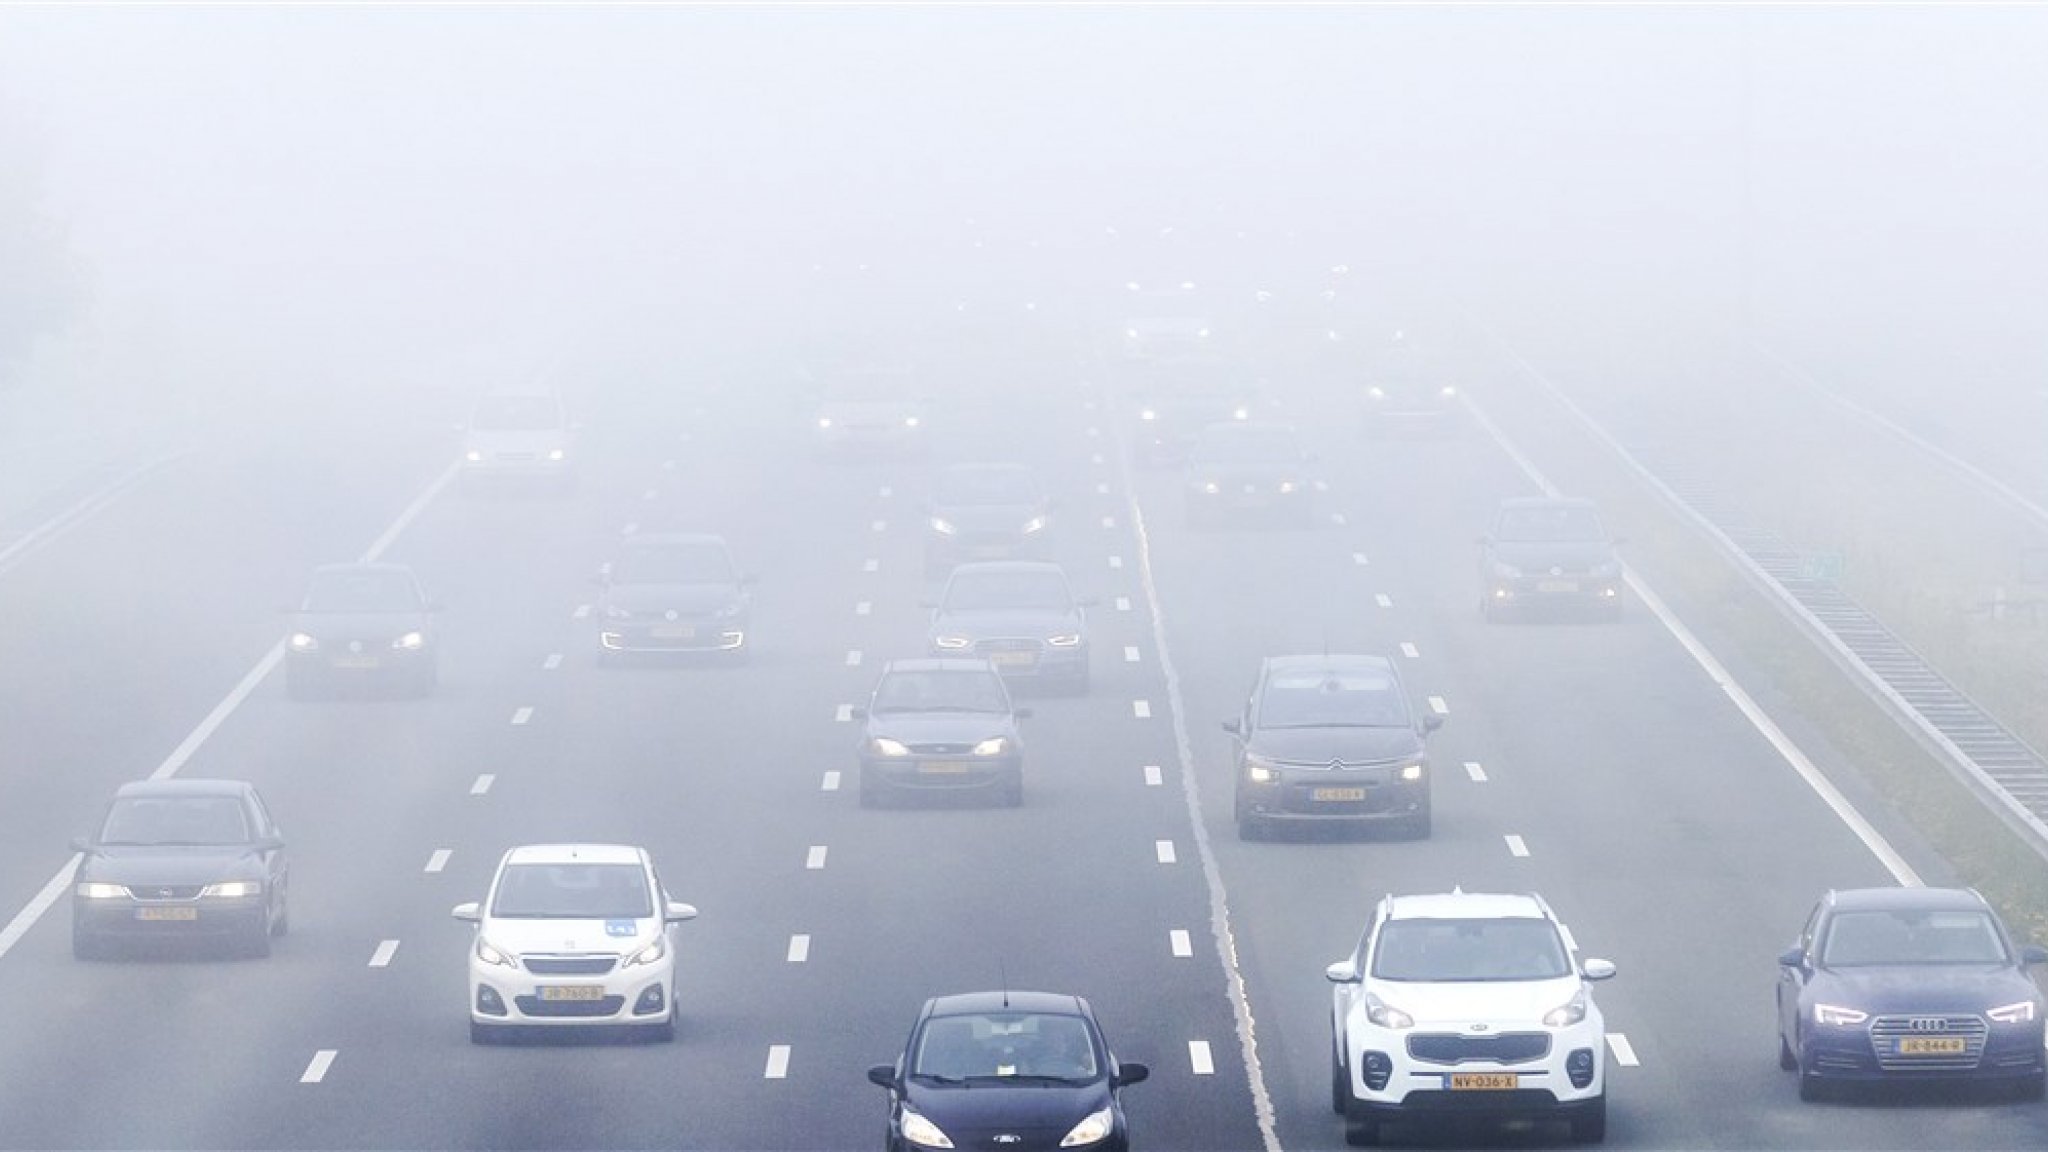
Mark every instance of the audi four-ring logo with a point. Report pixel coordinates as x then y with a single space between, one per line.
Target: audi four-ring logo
1929 1024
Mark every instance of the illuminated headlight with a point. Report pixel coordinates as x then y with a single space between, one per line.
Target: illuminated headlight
233 889
824 422
1376 392
1065 640
1201 333
410 642
1447 391
1837 1016
614 612
951 643
490 954
1411 772
883 746
1240 413
1131 332
1211 487
649 954
304 642
920 1131
1035 524
1093 1129
1261 771
2020 1013
1148 414
993 746
557 455
101 890
943 526
1386 1015
1568 1013
912 421
473 456
1286 487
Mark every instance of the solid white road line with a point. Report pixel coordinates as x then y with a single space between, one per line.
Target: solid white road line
439 859
1383 600
80 512
1337 518
381 958
1473 770
1164 850
862 608
1153 777
1116 561
831 781
844 713
1200 1062
1624 1052
1515 846
799 948
316 1071
1409 650
1123 603
220 714
553 662
871 565
814 860
1142 709
1178 941
1130 654
484 780
778 1062
57 887
1437 705
522 715
409 514
1359 559
582 611
853 657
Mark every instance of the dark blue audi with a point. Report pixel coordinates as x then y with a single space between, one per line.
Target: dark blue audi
1909 984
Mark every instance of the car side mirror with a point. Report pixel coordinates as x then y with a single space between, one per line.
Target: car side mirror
1432 722
1792 958
882 1075
2034 954
1233 727
470 912
270 843
1342 972
677 912
1131 1072
1597 969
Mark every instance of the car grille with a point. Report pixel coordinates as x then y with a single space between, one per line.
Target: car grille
569 965
942 749
1506 1048
165 891
516 455
1887 1031
535 1006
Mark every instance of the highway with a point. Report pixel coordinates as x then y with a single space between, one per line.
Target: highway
1599 765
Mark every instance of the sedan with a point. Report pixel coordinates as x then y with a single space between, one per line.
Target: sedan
1546 551
1023 1071
674 592
1326 739
181 859
362 624
1253 471
984 512
1909 985
1021 615
939 726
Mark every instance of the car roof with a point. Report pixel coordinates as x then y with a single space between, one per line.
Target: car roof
1906 898
1467 906
183 787
939 664
968 1003
574 854
1329 662
1546 502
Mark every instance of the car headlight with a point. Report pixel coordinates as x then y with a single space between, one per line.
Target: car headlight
1201 333
410 642
1093 1129
993 746
1386 1015
912 421
1065 640
1376 392
951 643
101 890
1260 771
473 456
304 642
614 612
1131 332
1837 1016
1240 413
557 455
883 746
1411 772
1148 414
1035 524
490 954
1286 487
2020 1013
1211 487
943 526
1568 1013
824 422
649 954
918 1130
233 889
1447 391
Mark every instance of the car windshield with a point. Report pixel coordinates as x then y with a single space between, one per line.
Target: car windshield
1325 699
950 691
674 564
871 388
362 590
1247 445
1006 1045
1911 936
1461 951
176 820
1002 591
516 414
572 891
1550 523
1193 379
980 486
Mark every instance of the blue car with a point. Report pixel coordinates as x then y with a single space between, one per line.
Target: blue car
1909 984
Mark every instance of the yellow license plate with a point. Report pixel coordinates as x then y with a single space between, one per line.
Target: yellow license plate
1012 659
1483 1081
572 992
1931 1046
167 913
1337 794
672 632
944 767
1557 586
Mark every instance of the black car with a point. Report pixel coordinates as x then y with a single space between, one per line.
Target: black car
362 624
1251 471
1909 985
940 726
985 512
882 412
1169 402
1022 1071
1543 551
1330 739
1019 614
181 859
674 592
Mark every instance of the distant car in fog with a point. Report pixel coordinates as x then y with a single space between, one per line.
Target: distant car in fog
1548 552
362 624
1910 985
181 859
880 412
674 592
1410 406
1022 616
1255 471
519 438
573 935
940 726
1165 337
984 512
1330 739
1167 403
1007 1069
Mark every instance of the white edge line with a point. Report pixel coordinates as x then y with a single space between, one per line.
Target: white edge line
316 1069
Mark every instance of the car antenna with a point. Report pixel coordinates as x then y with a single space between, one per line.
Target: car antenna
1003 977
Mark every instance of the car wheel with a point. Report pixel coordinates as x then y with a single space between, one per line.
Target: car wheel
281 922
1417 827
2034 1088
663 1032
1590 1126
871 795
1250 828
1340 1087
481 1033
1361 1133
424 680
1786 1059
1811 1087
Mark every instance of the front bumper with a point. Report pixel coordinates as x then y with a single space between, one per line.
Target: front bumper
704 634
1569 1074
205 918
1325 796
1028 661
378 660
639 995
961 772
2005 1052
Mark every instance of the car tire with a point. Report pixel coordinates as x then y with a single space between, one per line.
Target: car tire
423 681
1811 1087
481 1033
1417 827
1360 1132
1340 1087
1786 1059
1250 828
1590 1126
282 922
871 793
662 1033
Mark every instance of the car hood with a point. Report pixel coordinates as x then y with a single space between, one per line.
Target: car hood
1537 555
358 625
1922 987
140 866
941 727
1498 1004
970 1113
1322 745
542 441
686 599
987 517
525 937
1036 623
1244 469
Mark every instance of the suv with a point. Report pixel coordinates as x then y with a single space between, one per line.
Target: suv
1461 1004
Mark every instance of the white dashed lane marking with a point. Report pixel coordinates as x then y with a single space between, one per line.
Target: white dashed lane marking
1102 488
1383 600
381 958
831 781
1153 777
1179 942
1359 559
1437 705
628 530
1096 458
871 565
1123 603
880 526
1142 709
316 1070
1130 655
483 784
553 662
1409 650
885 492
1200 1062
522 715
863 608
668 465
1116 561
844 713
1109 521
1337 518
1093 431
853 657
1164 850
799 948
439 859
1473 770
649 494
1624 1052
582 610
778 1062
814 860
1515 846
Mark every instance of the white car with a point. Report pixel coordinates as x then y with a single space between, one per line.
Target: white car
519 437
1165 337
1463 1004
573 934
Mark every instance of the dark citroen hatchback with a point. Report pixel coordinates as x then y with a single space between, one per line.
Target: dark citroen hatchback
1329 739
1909 984
1018 1071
